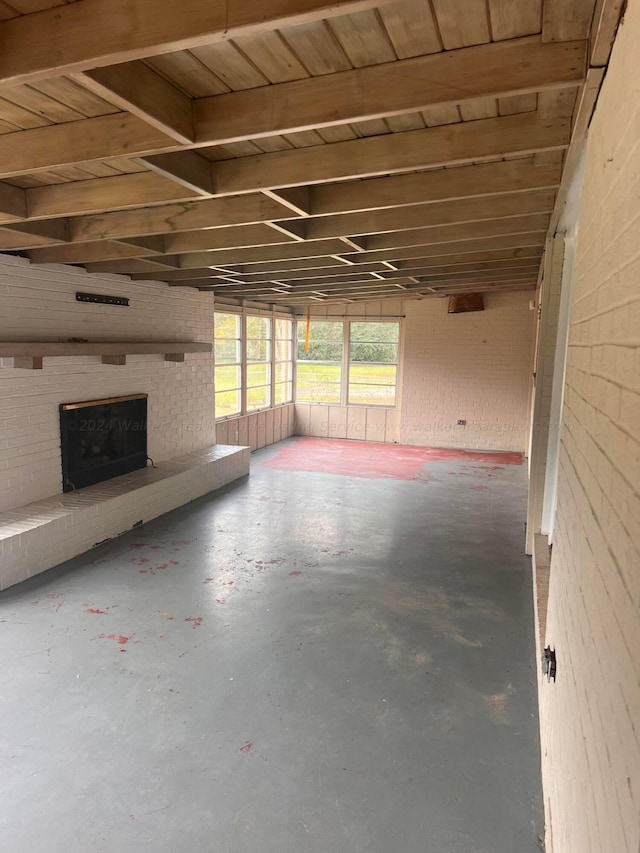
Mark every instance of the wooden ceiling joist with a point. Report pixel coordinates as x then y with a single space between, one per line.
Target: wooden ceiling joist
441 234
209 213
466 142
95 33
423 215
120 192
138 89
377 91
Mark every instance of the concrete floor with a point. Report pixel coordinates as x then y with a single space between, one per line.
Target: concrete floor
306 662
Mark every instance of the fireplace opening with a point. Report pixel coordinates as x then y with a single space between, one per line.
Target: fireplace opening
101 439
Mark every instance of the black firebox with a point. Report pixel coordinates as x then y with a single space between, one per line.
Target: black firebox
101 439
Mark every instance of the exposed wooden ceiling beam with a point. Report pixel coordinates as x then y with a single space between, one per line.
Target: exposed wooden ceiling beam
255 247
13 203
604 24
449 263
483 288
435 214
340 270
475 260
192 174
138 89
297 198
230 239
355 288
442 234
180 274
273 258
98 195
187 168
128 266
436 240
466 142
515 242
529 271
95 33
376 91
436 185
46 148
360 273
208 213
18 235
80 253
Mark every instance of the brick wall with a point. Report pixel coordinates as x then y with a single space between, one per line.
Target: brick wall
474 367
590 718
38 302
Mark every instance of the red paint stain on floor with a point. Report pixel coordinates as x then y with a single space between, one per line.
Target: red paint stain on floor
94 610
247 747
119 638
295 573
195 620
375 461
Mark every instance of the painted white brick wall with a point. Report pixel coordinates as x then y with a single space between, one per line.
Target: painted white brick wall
474 367
590 718
38 303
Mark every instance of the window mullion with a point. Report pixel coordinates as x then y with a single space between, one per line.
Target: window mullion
274 344
243 366
344 391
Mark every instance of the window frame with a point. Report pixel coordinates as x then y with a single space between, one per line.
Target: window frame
275 361
235 364
346 345
340 362
272 316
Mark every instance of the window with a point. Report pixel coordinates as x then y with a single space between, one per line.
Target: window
373 360
228 364
283 359
365 352
253 362
319 371
258 363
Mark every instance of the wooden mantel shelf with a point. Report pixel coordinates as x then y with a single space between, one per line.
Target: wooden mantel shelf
29 354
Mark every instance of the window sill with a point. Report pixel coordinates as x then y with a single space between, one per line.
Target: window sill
344 405
254 412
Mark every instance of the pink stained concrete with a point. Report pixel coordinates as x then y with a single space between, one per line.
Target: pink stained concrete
374 461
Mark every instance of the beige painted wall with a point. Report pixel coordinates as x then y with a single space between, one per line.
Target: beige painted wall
474 367
590 718
259 429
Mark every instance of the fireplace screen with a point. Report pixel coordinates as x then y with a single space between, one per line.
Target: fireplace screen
101 439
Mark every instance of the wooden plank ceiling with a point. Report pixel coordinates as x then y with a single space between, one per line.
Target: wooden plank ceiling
295 151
